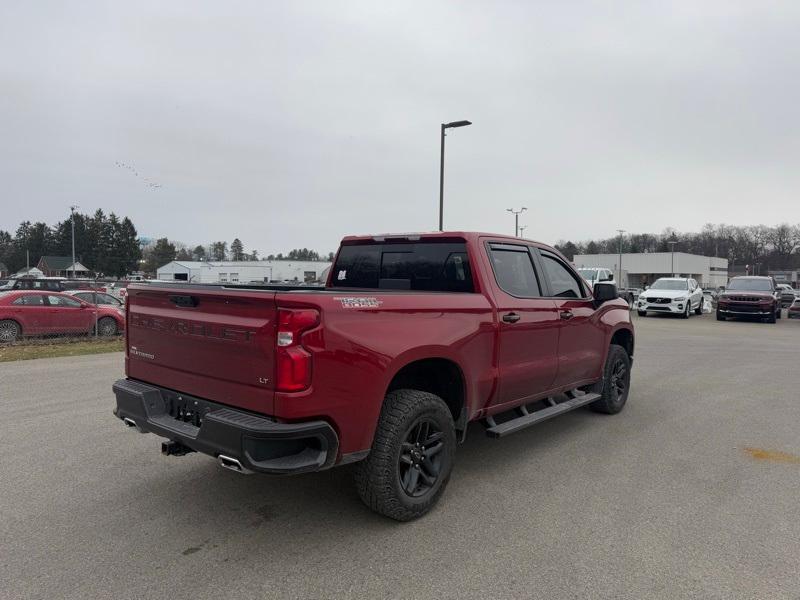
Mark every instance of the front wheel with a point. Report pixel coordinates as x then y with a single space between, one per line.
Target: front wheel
411 458
616 382
699 309
688 310
720 316
642 313
9 331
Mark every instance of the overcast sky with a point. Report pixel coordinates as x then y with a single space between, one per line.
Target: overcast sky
291 124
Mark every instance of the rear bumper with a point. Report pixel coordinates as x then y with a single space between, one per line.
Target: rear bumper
259 443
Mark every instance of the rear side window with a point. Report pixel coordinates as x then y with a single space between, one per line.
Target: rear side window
29 300
63 301
433 267
513 270
563 284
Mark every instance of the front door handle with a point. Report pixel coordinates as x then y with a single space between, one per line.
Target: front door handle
511 318
566 315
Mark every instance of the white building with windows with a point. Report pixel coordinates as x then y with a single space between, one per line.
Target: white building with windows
644 268
255 271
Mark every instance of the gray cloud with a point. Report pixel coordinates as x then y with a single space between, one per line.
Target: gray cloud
293 124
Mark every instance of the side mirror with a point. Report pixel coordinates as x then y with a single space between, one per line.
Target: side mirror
603 292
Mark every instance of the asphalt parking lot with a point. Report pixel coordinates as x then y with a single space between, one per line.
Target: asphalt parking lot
691 492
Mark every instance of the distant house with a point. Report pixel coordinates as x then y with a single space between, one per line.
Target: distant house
3 270
61 266
32 272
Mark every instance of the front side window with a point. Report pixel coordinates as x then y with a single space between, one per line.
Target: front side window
563 283
513 270
63 302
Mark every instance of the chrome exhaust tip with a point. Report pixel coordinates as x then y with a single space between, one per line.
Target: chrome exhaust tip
226 462
129 422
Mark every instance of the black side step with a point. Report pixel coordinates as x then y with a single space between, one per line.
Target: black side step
526 420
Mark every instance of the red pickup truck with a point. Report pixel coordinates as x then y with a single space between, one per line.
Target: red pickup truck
414 337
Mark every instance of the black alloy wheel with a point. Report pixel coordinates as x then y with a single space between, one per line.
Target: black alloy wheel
420 458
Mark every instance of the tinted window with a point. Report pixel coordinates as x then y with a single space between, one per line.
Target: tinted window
63 301
30 300
751 285
437 267
563 283
513 270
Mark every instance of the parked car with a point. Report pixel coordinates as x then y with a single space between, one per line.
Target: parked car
28 312
97 298
750 296
787 294
674 295
414 337
54 284
594 275
794 309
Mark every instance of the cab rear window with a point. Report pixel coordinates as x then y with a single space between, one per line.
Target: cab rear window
433 267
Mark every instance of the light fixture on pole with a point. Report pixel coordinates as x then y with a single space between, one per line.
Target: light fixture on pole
522 228
672 243
516 214
441 168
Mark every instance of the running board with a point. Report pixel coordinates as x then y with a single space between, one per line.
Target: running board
533 418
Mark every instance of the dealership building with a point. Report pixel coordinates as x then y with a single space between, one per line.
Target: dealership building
252 271
644 268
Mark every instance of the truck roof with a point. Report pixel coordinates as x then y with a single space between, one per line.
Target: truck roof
468 236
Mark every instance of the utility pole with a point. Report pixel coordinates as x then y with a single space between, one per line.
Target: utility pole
619 279
72 218
516 214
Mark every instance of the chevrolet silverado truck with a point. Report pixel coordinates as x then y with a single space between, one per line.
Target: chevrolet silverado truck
413 338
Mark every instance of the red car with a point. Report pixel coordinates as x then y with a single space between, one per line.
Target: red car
414 337
27 312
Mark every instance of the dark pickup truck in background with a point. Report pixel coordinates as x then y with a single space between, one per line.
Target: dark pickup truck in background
414 337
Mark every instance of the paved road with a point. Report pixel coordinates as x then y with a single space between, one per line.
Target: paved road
661 501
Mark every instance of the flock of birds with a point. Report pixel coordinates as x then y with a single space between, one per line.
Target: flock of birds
151 184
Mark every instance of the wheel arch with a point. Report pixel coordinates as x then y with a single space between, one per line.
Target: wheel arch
438 375
623 337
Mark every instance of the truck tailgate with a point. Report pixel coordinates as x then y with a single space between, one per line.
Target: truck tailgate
217 344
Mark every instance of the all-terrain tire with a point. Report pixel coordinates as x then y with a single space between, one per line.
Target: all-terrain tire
378 477
614 391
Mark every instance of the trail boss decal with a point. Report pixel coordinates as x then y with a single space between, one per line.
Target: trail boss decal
359 302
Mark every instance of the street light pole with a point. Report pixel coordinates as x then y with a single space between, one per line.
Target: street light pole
72 218
441 167
521 229
516 214
672 248
619 279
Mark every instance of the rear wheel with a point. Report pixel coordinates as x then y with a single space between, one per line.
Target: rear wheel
9 331
616 382
411 458
107 326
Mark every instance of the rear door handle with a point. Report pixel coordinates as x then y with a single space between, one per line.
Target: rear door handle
511 318
566 315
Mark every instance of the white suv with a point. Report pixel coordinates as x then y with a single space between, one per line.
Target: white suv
675 295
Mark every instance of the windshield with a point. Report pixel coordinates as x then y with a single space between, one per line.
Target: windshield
751 285
588 274
669 284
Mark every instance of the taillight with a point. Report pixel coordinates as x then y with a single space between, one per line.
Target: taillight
293 364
